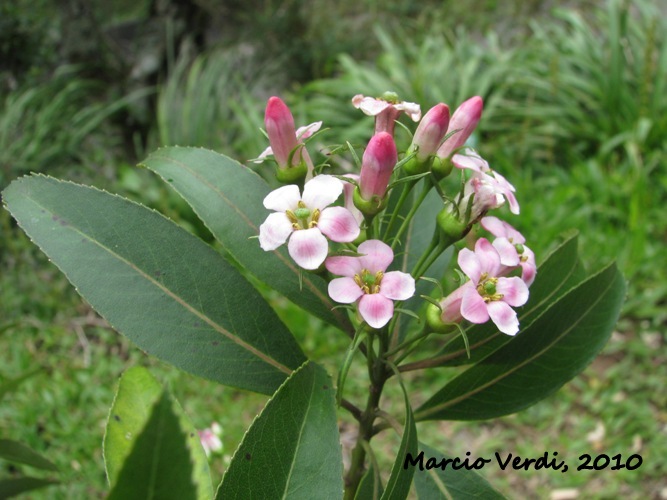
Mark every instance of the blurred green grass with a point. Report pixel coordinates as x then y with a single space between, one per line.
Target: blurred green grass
584 145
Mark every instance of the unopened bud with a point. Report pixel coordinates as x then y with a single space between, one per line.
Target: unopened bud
377 165
452 228
461 126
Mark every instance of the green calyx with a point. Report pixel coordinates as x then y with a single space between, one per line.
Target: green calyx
415 166
434 320
370 207
441 167
292 175
452 228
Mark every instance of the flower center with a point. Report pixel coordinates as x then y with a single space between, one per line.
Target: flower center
369 282
390 97
302 217
487 288
519 248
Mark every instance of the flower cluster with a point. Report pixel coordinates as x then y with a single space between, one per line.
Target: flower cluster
306 216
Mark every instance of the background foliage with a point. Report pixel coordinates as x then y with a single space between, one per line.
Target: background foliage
574 115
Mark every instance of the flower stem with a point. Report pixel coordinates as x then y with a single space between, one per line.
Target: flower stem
412 212
407 187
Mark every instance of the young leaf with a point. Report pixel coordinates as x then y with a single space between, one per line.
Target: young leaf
17 452
137 406
163 288
451 484
552 350
292 449
159 465
228 198
400 479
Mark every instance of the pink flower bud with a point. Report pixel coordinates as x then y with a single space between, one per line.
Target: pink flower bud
432 128
463 123
280 128
377 165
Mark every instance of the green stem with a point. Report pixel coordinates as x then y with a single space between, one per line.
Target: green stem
412 212
378 374
424 333
404 196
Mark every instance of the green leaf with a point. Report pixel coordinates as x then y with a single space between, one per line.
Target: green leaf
11 385
159 465
370 487
450 484
17 452
292 450
228 197
163 288
400 479
560 271
539 360
137 405
12 487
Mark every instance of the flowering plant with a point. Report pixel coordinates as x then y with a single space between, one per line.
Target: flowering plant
391 255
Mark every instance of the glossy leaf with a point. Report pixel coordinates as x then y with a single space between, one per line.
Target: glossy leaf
400 479
228 197
159 464
135 400
552 350
20 453
292 450
560 271
450 484
163 288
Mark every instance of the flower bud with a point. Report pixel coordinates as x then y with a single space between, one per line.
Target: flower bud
463 123
280 128
444 318
432 128
452 228
377 165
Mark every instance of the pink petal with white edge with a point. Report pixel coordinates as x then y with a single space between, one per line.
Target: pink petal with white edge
507 252
470 160
377 255
369 105
501 229
321 191
513 290
344 290
504 317
473 307
470 265
397 286
528 267
488 257
307 130
338 224
274 231
268 151
412 109
376 309
283 198
343 266
308 248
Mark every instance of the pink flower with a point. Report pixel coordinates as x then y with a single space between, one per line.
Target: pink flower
377 165
210 438
286 142
386 110
463 123
348 198
306 220
510 246
489 187
365 280
487 295
432 128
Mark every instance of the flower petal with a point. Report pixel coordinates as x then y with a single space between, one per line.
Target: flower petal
321 191
488 256
513 290
504 317
501 229
274 231
307 130
283 198
470 160
343 266
308 248
412 109
507 251
473 307
369 105
377 255
397 285
338 224
344 290
376 309
470 265
528 266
